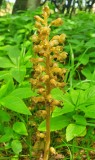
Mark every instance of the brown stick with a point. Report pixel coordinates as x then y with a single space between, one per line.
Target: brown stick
47 140
48 88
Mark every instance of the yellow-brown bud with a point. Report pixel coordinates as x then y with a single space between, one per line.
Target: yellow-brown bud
38 99
61 84
56 70
46 10
55 103
44 78
33 81
49 98
57 49
62 56
37 48
39 19
44 30
40 59
42 135
53 43
62 38
35 38
43 113
57 22
38 25
52 150
53 82
41 90
39 68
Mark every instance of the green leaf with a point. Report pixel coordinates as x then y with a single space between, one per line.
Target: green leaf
5 63
16 146
74 96
90 111
57 112
57 94
68 107
5 75
74 130
20 128
7 136
4 116
79 119
13 53
90 43
6 89
23 92
84 60
56 123
87 73
15 104
18 73
77 97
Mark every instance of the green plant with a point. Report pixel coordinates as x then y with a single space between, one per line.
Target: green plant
47 73
15 71
13 112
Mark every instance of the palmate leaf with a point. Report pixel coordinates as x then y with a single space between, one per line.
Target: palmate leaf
13 53
18 73
7 136
74 130
5 63
5 75
15 104
20 128
6 89
90 111
56 123
16 146
23 93
4 116
57 94
68 107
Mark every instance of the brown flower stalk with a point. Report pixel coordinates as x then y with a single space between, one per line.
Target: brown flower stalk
47 74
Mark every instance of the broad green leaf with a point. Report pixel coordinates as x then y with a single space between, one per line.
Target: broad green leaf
23 93
92 54
87 73
13 53
84 60
16 146
90 111
57 94
4 116
20 128
74 130
74 96
6 89
56 123
18 73
90 43
77 96
5 62
5 75
15 104
79 119
68 107
7 136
